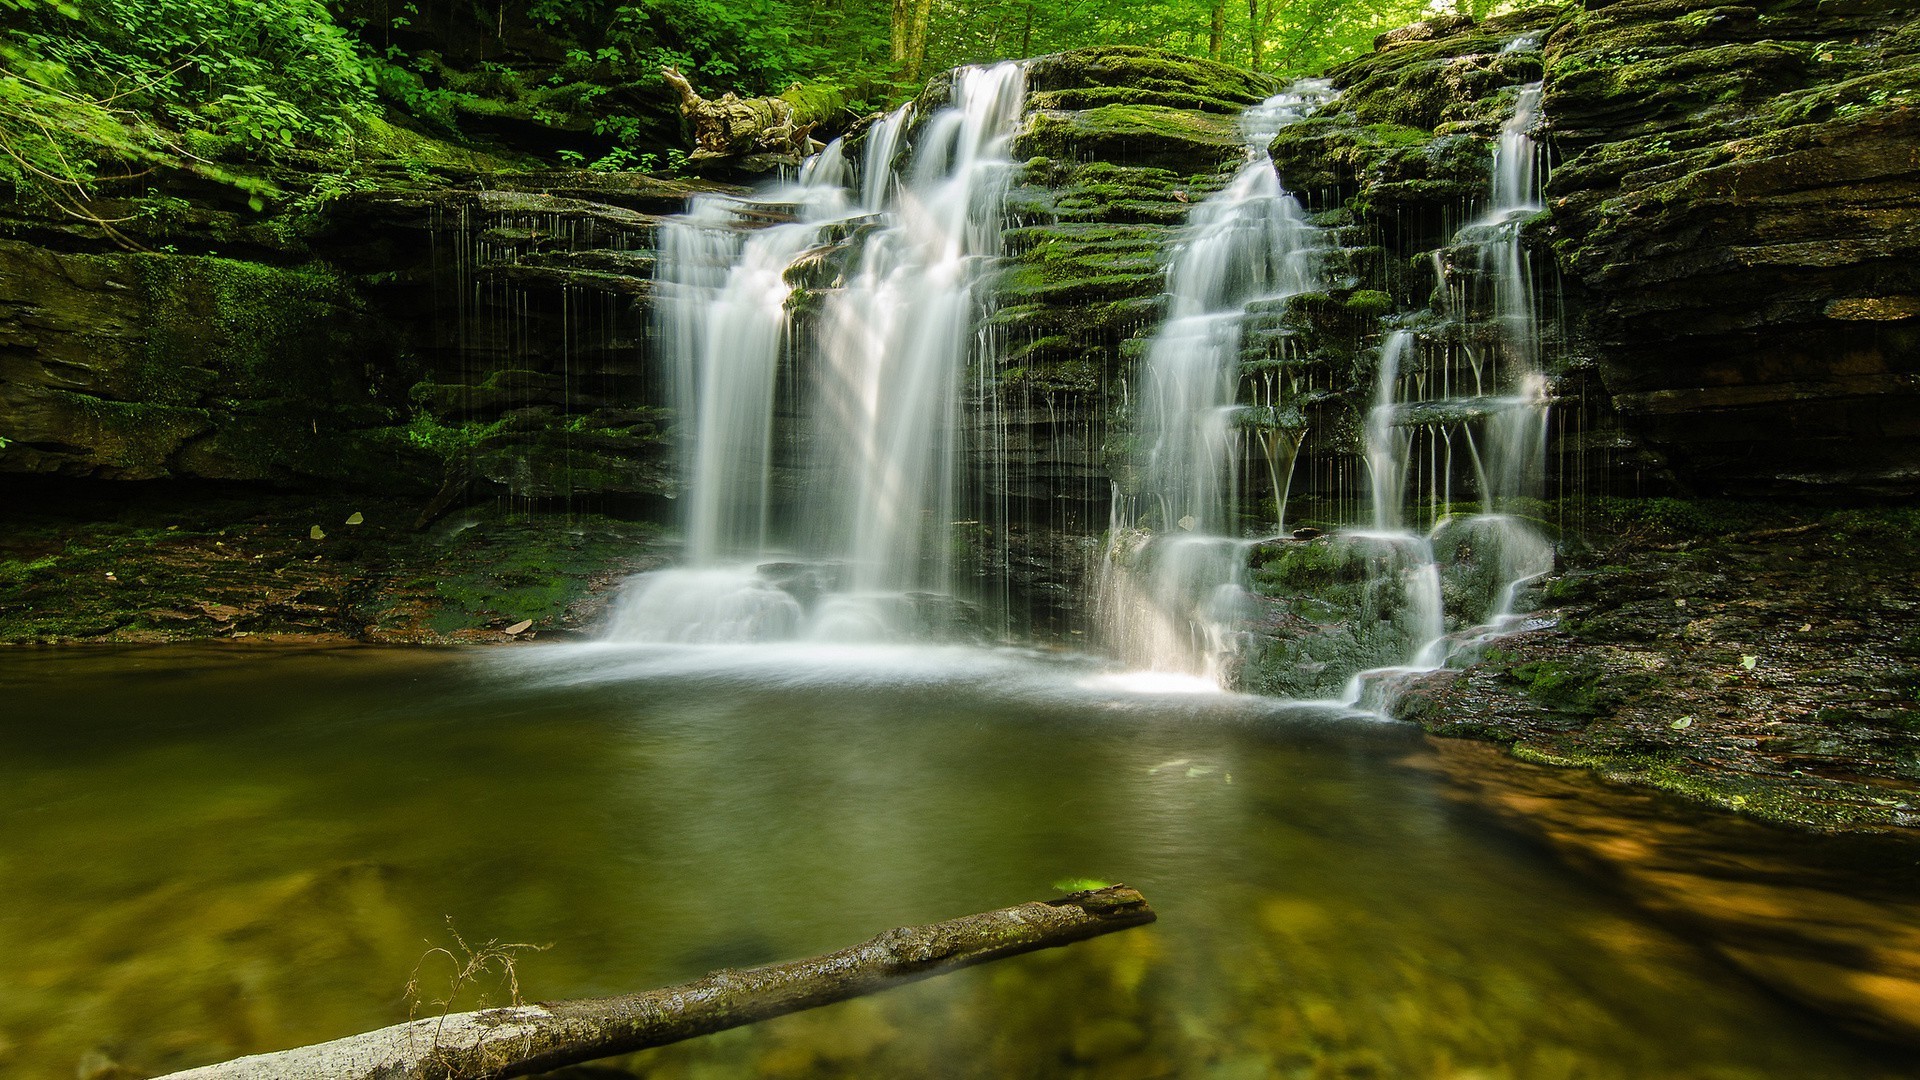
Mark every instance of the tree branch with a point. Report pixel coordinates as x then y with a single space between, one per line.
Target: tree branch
494 1044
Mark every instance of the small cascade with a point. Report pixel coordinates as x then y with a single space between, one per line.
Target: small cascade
1388 444
1486 394
1172 568
861 397
721 294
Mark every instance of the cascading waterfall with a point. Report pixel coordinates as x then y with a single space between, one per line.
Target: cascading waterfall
860 401
1489 555
885 364
1170 579
896 341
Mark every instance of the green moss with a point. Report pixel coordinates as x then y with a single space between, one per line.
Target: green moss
1145 73
1151 135
18 570
1369 303
446 441
1678 517
1573 688
247 329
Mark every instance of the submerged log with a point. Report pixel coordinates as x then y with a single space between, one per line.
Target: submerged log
520 1039
730 128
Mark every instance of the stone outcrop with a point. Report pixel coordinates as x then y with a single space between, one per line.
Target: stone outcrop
1733 208
149 366
439 334
1737 211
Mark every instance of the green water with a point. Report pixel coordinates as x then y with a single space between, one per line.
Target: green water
211 852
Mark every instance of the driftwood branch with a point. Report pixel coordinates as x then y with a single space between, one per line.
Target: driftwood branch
517 1040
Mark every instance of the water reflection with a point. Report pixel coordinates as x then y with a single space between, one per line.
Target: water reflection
201 858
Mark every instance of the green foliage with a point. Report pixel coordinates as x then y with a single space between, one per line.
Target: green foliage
264 74
108 89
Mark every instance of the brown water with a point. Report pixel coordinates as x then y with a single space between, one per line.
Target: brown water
211 852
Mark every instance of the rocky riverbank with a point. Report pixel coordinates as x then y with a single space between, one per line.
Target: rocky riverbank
1757 659
149 563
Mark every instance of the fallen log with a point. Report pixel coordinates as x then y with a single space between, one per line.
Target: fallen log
731 129
516 1040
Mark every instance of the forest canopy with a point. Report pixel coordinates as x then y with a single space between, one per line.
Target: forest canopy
99 92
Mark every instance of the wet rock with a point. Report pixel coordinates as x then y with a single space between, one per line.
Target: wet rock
1771 671
148 366
1731 201
1736 209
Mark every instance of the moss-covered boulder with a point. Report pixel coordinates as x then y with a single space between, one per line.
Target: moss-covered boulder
1158 136
1083 78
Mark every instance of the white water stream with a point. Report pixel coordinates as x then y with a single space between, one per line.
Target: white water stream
858 547
1500 416
1171 579
823 451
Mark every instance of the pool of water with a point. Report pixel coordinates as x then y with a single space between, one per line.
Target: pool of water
215 851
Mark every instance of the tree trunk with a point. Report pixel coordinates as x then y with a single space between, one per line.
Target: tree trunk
1217 36
730 127
520 1039
899 27
917 46
1256 34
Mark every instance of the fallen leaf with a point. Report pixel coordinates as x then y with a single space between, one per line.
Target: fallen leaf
1682 724
355 518
520 627
317 533
1749 661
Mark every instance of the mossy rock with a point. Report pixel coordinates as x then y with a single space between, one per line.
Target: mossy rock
1390 164
1150 76
1151 135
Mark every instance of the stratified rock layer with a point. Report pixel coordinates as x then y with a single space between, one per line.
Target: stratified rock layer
1733 205
1737 211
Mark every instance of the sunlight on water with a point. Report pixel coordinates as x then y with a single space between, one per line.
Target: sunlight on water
211 852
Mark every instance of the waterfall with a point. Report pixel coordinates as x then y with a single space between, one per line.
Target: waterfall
1169 597
1388 445
1487 556
896 341
882 365
822 332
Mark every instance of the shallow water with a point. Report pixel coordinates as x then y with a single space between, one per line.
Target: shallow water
209 852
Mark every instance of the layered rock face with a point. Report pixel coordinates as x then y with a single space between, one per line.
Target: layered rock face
1737 211
524 306
144 366
434 335
1732 210
1732 204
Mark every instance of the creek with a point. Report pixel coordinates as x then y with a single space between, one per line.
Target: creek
214 851
826 716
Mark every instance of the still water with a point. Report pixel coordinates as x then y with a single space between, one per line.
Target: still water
210 852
